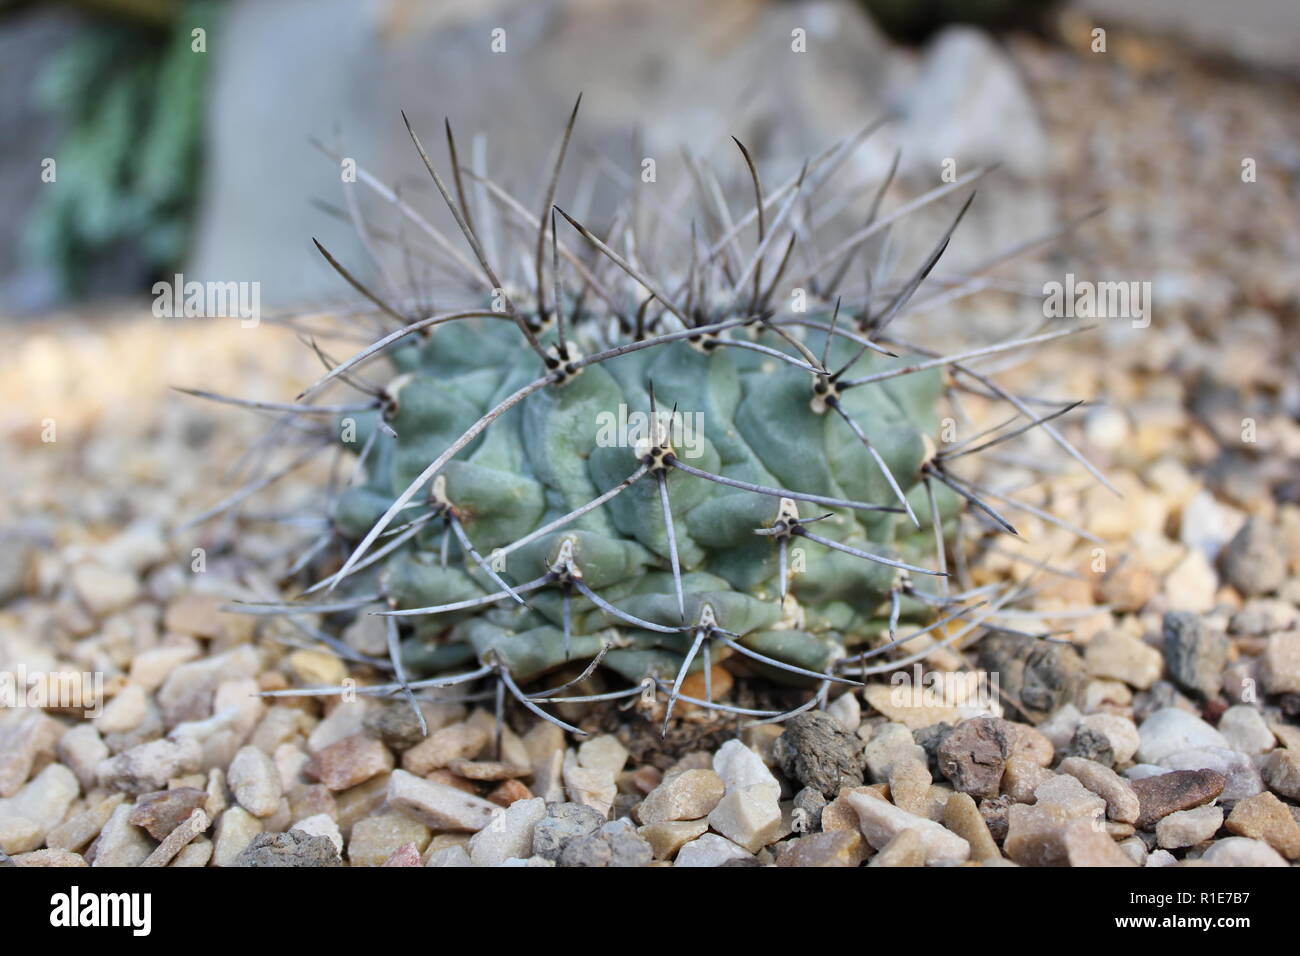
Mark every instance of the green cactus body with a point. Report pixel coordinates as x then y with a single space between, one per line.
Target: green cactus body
596 471
738 414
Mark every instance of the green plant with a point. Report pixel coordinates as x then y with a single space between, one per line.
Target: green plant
776 497
130 96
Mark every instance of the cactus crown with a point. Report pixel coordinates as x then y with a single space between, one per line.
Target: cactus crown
600 465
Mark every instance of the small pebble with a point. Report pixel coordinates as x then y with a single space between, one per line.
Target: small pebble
1188 827
350 761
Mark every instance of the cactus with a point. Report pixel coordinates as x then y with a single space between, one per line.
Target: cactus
597 467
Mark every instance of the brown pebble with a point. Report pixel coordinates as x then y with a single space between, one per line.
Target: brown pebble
1167 793
163 811
350 761
486 769
451 780
508 792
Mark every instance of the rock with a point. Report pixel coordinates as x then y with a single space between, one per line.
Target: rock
1194 654
1281 771
1241 779
909 786
449 856
1263 616
974 756
510 834
905 849
962 817
1060 726
1051 835
1039 676
24 739
1127 587
1022 778
508 792
486 770
408 854
1191 584
162 811
968 87
1281 663
616 843
1244 729
236 829
1265 817
75 832
667 838
1160 858
1091 744
375 838
196 854
1106 696
179 838
125 712
104 590
814 750
189 689
806 815
881 821
1120 733
43 801
120 843
1166 793
350 761
710 850
561 823
995 812
1121 801
81 749
1074 801
1119 656
892 743
322 824
1027 742
255 782
749 817
352 805
1242 851
594 786
839 848
438 805
908 705
149 669
1170 730
317 668
689 795
602 753
1254 562
1188 827
1087 846
346 719
50 858
199 615
291 848
846 711
741 768
395 723
441 747
18 835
